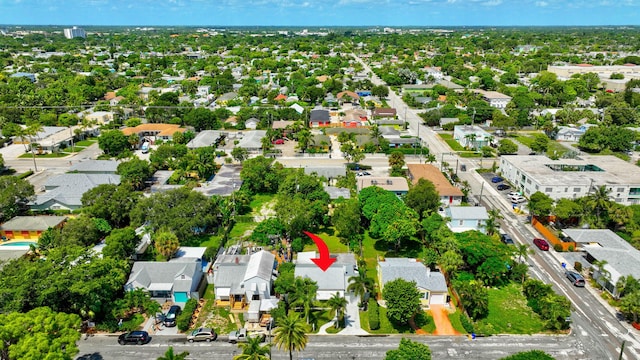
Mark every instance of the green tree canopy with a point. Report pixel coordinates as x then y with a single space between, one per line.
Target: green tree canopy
403 300
39 334
423 198
135 172
113 142
110 202
15 194
409 350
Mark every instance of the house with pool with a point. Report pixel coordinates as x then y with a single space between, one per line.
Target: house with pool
27 229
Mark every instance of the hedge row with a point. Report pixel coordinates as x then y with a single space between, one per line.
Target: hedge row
184 318
374 315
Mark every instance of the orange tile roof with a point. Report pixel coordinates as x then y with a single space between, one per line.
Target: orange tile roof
162 129
110 95
431 173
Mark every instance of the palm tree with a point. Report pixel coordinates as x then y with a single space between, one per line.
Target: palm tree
304 138
306 297
602 272
523 251
337 304
31 131
253 350
599 200
169 355
360 285
491 225
291 334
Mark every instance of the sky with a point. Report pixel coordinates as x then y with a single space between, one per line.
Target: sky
430 13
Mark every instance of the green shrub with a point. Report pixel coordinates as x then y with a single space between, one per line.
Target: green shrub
374 315
467 324
570 248
25 174
183 320
558 248
578 266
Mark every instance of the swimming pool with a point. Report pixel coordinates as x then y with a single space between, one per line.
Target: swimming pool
19 243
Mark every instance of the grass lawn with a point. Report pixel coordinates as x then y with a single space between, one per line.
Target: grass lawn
554 147
259 200
45 156
454 318
204 241
332 241
454 145
85 143
318 318
423 320
239 229
469 154
509 313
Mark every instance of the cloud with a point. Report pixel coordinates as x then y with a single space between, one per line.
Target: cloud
542 3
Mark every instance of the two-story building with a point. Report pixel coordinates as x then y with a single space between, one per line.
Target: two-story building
449 194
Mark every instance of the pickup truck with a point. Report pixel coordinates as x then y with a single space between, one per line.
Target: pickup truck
241 336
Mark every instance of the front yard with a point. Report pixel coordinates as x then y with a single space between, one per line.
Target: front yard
509 313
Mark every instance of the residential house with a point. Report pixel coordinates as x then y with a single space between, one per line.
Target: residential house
444 121
224 99
298 108
29 76
95 167
334 280
203 90
621 259
494 98
177 280
347 97
396 184
154 132
465 218
29 227
64 192
471 136
430 284
251 123
571 133
337 192
319 118
384 113
354 118
224 183
320 142
239 279
252 140
449 194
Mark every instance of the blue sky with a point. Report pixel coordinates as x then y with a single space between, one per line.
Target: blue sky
321 13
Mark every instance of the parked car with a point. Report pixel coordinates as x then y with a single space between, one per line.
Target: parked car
513 193
363 173
202 334
134 337
575 278
496 179
503 187
241 335
517 199
506 238
542 244
171 315
278 141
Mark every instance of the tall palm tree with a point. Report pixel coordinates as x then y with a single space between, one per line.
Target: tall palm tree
523 251
253 350
31 131
306 297
599 200
338 305
170 355
359 285
603 273
491 225
290 334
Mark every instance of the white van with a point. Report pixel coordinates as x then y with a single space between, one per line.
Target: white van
145 147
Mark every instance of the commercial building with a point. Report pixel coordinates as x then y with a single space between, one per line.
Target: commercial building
630 71
494 98
75 32
573 178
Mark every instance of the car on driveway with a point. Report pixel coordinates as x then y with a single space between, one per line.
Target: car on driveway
134 337
278 142
202 334
503 187
575 278
496 179
171 315
542 244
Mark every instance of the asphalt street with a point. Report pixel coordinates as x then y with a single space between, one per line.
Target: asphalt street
344 347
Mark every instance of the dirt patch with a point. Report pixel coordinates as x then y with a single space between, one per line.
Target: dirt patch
266 211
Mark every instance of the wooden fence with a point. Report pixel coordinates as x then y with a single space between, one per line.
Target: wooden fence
551 237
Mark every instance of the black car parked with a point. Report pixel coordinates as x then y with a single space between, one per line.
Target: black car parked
134 337
171 315
503 187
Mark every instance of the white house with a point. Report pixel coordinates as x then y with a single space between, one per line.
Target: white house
471 136
465 218
334 280
494 98
431 284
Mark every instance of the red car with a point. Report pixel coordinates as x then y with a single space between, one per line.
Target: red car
542 244
278 142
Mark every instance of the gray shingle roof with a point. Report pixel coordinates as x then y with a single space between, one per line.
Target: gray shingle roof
146 273
94 166
411 270
32 223
467 213
68 188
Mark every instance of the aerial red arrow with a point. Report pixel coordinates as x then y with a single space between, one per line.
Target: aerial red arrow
325 261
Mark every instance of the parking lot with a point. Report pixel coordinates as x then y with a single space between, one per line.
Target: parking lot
504 188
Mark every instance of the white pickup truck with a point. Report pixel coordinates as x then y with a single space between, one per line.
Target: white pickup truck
241 336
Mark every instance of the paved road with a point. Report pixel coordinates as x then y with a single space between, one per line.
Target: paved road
596 327
345 347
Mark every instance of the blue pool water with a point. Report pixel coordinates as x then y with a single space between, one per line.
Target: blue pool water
19 243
